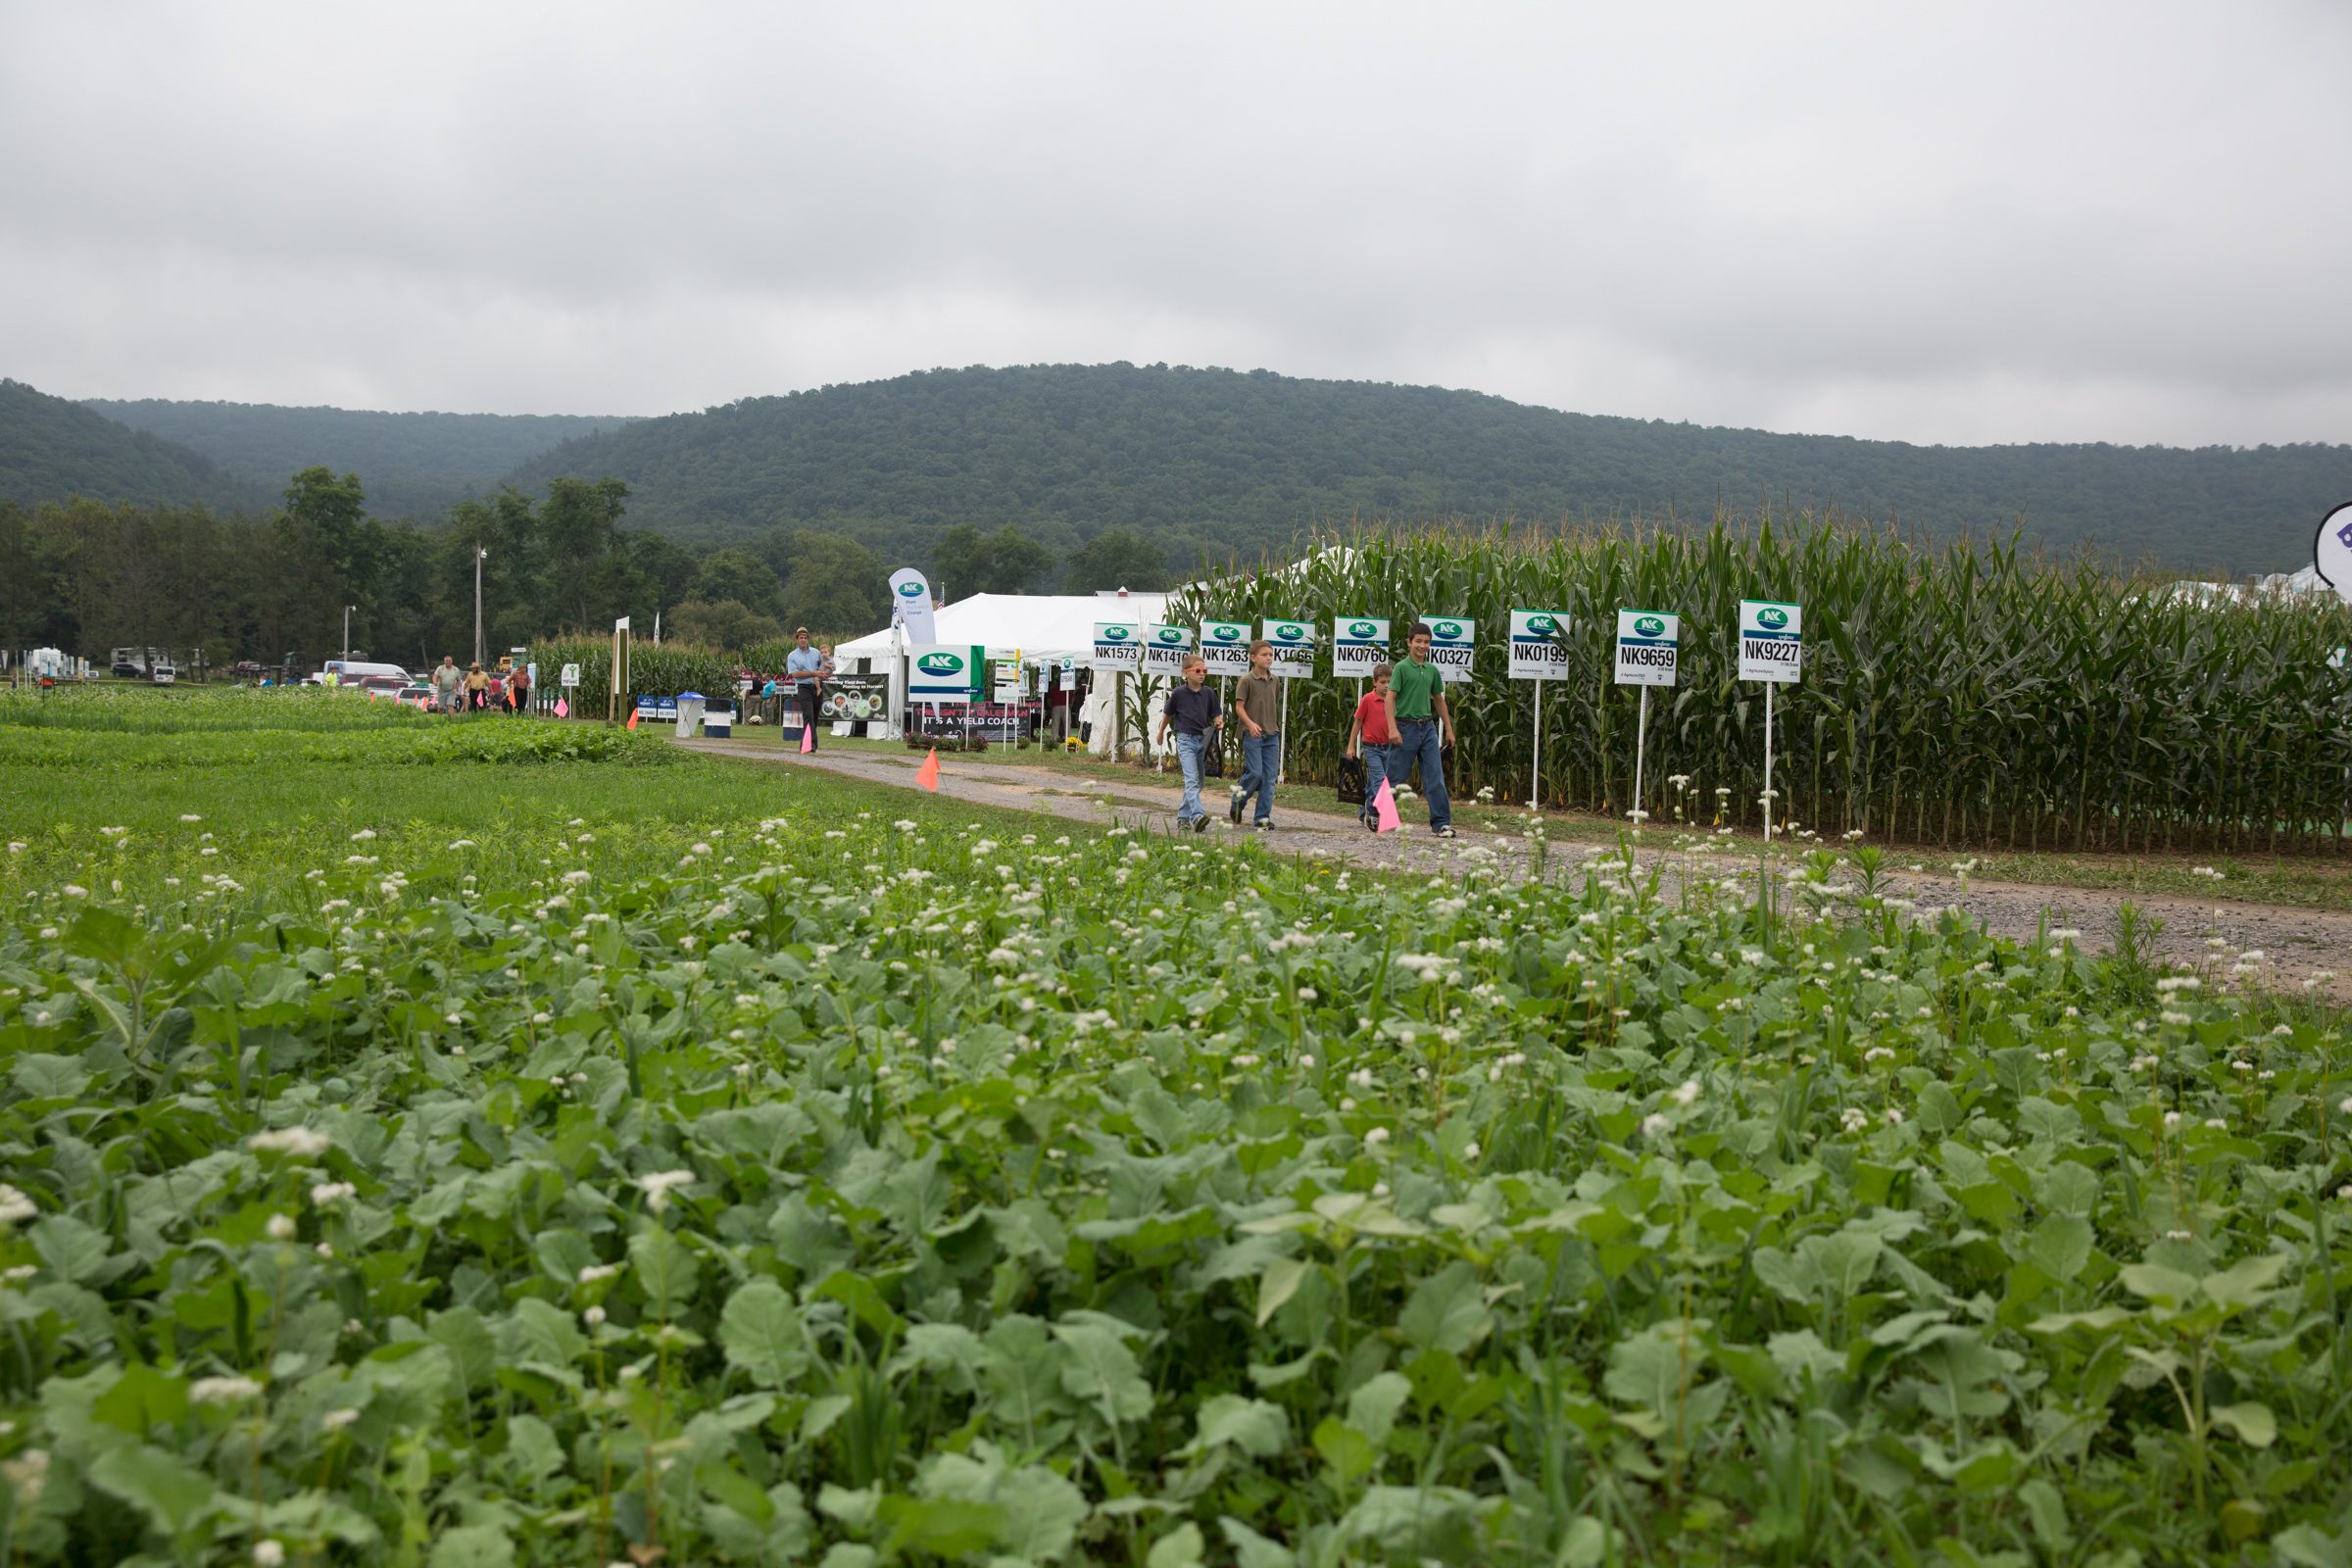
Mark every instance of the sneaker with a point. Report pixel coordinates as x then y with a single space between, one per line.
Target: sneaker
1200 824
1234 809
1445 832
1264 824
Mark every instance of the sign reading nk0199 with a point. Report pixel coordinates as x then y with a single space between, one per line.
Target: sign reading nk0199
1647 643
1772 641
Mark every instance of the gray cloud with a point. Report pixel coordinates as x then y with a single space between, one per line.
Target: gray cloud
1999 222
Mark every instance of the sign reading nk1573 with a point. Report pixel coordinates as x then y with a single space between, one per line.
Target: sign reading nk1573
1646 642
1772 640
1118 645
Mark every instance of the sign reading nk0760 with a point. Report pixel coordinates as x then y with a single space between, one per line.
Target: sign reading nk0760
1772 641
1646 642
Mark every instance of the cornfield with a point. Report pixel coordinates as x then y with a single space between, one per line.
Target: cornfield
1968 694
660 671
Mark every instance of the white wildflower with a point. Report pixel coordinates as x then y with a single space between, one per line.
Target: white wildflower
305 1143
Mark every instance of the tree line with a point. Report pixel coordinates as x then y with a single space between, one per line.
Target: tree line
88 575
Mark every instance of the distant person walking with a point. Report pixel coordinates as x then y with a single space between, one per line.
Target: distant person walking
518 690
805 667
1192 711
1373 736
1257 696
1424 726
477 689
1058 706
447 677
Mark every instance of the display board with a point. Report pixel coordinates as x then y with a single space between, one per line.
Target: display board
1452 640
1772 641
1294 648
1357 643
1534 655
1118 645
1165 649
944 672
1225 647
1649 642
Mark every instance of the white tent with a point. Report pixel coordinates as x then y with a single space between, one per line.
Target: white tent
1036 627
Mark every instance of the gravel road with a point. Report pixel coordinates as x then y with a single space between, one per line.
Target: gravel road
2297 945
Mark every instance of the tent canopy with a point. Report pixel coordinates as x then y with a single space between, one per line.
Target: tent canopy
1038 625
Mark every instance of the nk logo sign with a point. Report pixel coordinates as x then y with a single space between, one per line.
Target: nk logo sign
1448 629
1363 628
1228 634
1540 625
1290 634
1170 635
1114 634
910 590
1649 626
1772 618
939 664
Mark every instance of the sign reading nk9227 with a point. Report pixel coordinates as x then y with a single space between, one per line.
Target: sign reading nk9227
1772 641
1648 641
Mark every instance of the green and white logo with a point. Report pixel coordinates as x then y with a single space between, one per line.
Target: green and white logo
939 663
1363 628
1288 633
1773 616
1114 634
910 590
1539 623
1228 634
1448 629
1650 627
1170 635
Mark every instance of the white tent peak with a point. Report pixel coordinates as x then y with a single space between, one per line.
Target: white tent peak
1040 626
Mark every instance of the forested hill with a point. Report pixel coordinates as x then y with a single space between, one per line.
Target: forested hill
411 465
1222 459
51 448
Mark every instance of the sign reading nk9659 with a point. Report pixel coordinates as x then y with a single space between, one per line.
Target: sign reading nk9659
1772 641
1647 643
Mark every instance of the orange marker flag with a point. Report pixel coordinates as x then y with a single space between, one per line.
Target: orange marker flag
632 718
927 775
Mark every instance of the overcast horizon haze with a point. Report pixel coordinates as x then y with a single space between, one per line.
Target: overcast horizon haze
2007 223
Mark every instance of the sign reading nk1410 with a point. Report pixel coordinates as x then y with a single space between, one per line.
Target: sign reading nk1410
1772 641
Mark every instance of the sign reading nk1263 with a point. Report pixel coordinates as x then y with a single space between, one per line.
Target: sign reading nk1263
1647 643
1772 641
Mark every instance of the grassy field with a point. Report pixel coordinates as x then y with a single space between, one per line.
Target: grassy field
544 1161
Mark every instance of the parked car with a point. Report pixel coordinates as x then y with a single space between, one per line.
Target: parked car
162 675
125 670
382 683
413 692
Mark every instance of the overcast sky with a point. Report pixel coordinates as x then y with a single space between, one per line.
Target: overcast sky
1957 223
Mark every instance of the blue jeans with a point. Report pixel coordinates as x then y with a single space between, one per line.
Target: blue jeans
1261 756
1189 751
1380 763
1420 745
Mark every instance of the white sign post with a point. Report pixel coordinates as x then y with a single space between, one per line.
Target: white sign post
1537 657
1772 650
1648 641
1119 648
1293 660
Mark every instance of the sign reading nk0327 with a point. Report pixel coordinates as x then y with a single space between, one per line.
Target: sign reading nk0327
1646 643
1772 641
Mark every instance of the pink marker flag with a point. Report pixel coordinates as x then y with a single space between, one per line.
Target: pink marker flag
562 709
807 739
1383 807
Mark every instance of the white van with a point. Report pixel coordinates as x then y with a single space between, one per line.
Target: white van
351 671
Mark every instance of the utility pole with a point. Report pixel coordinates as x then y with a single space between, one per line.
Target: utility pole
481 552
347 609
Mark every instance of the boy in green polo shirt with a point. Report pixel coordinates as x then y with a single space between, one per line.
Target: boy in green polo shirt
1424 726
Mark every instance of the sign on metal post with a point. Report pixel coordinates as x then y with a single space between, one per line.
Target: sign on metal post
571 676
1538 655
1772 650
944 672
1772 641
1225 647
1165 649
1294 648
1118 645
1647 642
1452 640
1357 643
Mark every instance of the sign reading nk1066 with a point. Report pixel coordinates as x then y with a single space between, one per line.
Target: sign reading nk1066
1647 643
1772 641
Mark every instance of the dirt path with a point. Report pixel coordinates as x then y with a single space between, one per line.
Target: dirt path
2295 943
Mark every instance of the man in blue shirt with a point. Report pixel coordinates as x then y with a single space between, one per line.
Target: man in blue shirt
1192 710
805 667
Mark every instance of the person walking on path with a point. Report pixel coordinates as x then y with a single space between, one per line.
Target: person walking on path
446 678
1424 726
805 667
518 690
1257 695
1373 734
477 689
1193 712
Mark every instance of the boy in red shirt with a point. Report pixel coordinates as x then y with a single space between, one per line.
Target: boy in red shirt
1374 734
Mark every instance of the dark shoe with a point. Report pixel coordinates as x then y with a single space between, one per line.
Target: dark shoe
1235 809
1264 824
1445 832
1200 824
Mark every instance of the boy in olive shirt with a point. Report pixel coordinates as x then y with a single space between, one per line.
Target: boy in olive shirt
1257 696
1418 700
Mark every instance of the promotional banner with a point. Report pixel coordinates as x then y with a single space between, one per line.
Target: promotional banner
1535 656
2332 551
1451 641
943 672
1357 643
1118 645
1165 649
1225 647
853 699
1772 641
910 593
571 676
1646 643
1294 648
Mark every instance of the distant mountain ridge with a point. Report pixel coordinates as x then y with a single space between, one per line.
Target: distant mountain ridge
411 465
1215 461
51 448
